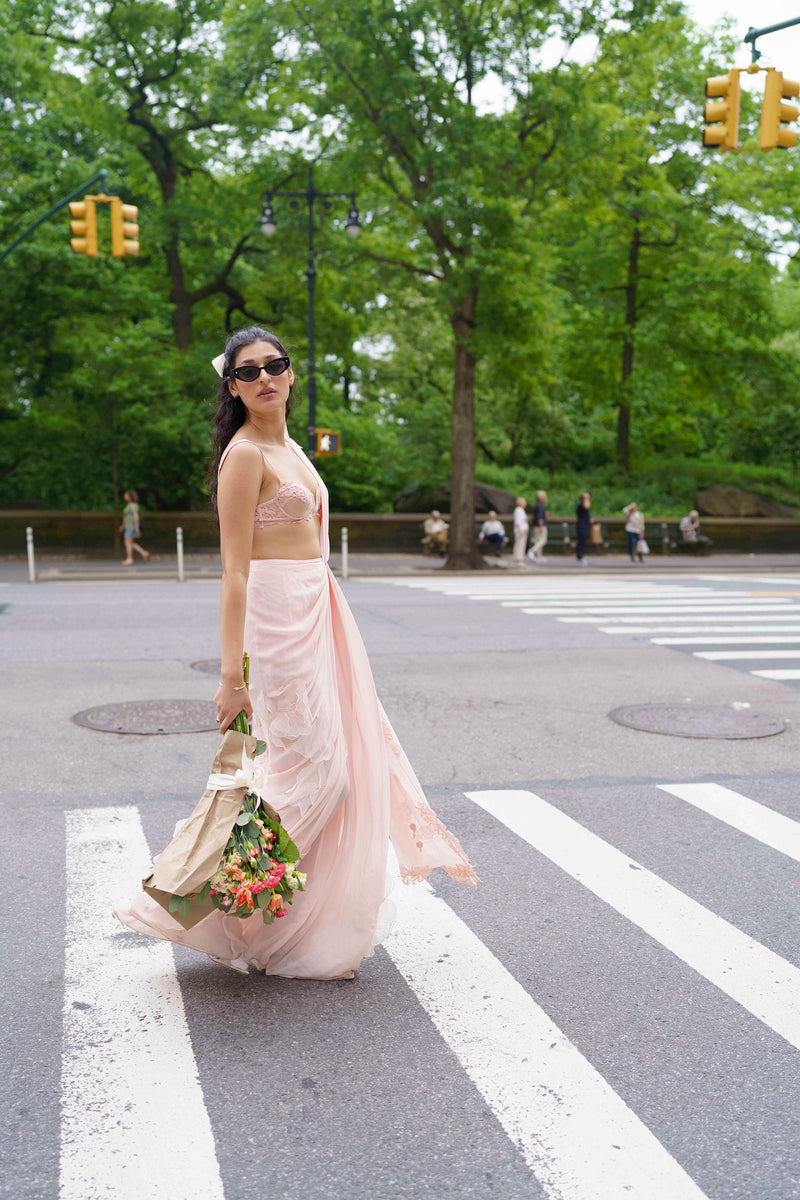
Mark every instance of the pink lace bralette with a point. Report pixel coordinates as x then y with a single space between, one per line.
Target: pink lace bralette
291 504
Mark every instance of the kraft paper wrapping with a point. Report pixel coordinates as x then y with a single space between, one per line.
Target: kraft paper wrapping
194 853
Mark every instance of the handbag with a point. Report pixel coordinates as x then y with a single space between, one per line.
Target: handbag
642 546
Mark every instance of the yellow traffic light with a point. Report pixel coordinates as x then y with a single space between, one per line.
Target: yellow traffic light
774 112
84 226
328 442
124 228
722 114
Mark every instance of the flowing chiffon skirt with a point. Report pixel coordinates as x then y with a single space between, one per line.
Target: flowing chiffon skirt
338 777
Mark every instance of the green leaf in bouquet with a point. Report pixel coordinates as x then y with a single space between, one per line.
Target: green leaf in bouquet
175 903
262 899
260 748
204 892
268 916
185 906
244 818
286 846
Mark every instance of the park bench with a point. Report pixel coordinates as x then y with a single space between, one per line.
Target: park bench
673 542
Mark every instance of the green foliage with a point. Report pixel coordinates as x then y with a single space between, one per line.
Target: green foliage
633 304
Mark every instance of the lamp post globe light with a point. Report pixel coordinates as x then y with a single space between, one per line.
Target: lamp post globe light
353 229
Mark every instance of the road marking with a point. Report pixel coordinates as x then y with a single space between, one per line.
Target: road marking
644 629
678 622
755 977
788 674
579 1138
608 611
730 655
754 640
748 816
134 1123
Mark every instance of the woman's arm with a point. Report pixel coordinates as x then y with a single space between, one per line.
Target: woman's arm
237 497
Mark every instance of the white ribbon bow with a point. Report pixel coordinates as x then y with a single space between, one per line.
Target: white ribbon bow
218 363
249 776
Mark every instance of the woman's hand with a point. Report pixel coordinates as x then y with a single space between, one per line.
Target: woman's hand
230 701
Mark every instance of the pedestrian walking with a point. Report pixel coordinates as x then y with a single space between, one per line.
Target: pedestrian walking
131 528
521 527
335 770
634 528
539 536
583 526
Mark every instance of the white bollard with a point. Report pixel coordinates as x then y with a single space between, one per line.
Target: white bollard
345 552
179 541
31 559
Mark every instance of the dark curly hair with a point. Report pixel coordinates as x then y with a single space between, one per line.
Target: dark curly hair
231 412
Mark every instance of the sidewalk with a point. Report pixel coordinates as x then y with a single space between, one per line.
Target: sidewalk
52 569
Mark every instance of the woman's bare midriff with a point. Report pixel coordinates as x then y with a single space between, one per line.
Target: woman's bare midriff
299 540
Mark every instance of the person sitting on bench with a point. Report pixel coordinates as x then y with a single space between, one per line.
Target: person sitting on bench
690 532
435 538
492 531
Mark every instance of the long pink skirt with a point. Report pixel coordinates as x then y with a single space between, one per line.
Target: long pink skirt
338 777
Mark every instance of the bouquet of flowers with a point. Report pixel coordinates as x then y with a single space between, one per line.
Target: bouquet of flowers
232 853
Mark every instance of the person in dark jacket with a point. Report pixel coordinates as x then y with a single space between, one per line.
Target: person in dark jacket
583 525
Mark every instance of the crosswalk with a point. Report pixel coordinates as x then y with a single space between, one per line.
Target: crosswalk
750 624
136 1121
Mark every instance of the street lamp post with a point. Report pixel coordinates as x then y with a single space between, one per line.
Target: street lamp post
353 228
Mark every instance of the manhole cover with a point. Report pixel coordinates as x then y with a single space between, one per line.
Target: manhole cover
697 721
151 716
211 666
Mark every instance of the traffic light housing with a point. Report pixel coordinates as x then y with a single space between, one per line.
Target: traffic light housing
124 228
722 113
329 441
774 112
84 226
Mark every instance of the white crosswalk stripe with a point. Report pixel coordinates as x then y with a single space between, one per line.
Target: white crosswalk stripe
134 1124
691 617
129 1067
577 1135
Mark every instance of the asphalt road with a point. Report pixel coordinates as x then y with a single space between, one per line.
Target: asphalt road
613 1013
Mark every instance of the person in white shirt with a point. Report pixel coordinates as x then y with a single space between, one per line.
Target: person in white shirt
492 531
520 530
634 527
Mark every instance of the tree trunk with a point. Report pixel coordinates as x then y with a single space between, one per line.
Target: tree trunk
114 455
463 554
182 311
624 409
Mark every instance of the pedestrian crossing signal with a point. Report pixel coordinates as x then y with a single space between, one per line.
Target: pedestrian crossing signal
328 442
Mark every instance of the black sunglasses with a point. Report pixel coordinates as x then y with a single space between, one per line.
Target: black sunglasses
250 373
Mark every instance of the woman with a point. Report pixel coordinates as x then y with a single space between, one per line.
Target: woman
634 527
520 531
130 528
583 526
337 774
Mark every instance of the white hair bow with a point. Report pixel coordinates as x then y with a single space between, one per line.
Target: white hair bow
218 363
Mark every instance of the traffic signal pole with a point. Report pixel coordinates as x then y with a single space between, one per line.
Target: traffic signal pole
101 178
752 34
